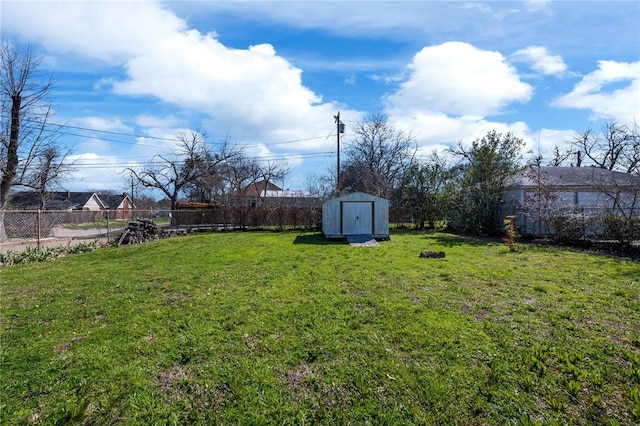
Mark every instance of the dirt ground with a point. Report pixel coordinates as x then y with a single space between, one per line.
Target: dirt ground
62 237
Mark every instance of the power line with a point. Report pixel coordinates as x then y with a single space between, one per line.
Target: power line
157 138
80 163
111 132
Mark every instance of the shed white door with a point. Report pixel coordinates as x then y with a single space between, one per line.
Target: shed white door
357 218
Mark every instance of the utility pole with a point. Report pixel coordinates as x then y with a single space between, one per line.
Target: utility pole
339 129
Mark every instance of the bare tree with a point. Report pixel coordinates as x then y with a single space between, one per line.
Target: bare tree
269 172
541 205
630 157
620 217
49 166
321 186
238 175
29 154
377 158
560 157
243 172
615 147
191 161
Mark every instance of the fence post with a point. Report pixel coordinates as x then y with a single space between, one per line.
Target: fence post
39 227
108 228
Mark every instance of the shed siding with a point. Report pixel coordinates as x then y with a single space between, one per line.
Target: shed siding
357 217
356 214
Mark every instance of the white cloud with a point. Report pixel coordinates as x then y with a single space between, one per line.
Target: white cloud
94 134
622 102
538 5
439 130
252 93
459 79
450 91
541 60
545 140
151 121
101 124
254 87
107 31
92 171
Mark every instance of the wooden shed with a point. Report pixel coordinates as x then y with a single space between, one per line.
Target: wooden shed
356 214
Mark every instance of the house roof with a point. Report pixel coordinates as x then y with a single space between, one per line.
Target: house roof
288 194
53 200
258 189
566 177
113 201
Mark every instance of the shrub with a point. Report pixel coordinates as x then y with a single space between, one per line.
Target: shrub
83 247
35 254
568 227
511 235
622 229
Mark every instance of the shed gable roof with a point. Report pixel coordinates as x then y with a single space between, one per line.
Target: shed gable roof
358 196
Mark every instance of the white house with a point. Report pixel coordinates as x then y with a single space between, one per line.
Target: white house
539 193
356 214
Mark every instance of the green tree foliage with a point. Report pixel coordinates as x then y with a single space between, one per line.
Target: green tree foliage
424 191
487 166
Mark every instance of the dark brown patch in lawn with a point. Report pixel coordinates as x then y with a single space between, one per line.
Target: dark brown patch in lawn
298 374
471 310
180 385
252 342
358 293
66 345
307 383
176 298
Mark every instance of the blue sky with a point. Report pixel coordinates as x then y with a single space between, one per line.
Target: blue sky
270 75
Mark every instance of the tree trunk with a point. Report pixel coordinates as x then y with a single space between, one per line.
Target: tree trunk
9 173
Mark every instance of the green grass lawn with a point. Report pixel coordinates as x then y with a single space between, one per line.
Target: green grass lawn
284 328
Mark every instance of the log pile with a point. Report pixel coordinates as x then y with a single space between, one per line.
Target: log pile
432 254
140 231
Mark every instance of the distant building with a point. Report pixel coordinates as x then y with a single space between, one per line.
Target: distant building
121 204
68 200
540 193
267 194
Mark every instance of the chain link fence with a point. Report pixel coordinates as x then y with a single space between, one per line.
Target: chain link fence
35 226
28 228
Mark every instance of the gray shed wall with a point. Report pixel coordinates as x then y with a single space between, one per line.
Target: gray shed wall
355 214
